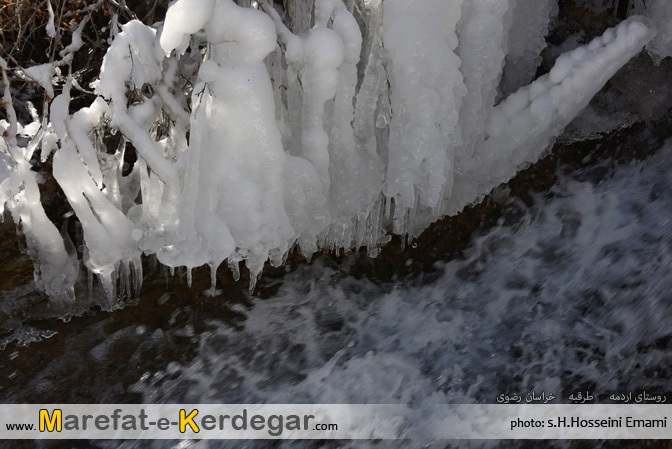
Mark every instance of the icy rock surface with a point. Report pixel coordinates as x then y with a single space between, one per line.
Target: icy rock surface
328 126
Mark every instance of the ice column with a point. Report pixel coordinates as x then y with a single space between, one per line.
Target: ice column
235 171
483 33
426 93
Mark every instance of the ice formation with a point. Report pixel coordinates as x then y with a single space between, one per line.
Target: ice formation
325 126
55 269
659 14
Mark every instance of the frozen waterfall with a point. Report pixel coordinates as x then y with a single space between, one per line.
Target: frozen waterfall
328 125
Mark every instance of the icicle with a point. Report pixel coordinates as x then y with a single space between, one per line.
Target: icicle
527 38
482 31
124 280
301 15
235 270
136 265
426 99
213 278
373 82
89 275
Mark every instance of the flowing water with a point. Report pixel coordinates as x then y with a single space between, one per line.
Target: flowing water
571 294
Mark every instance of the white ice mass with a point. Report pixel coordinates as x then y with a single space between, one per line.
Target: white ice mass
329 125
